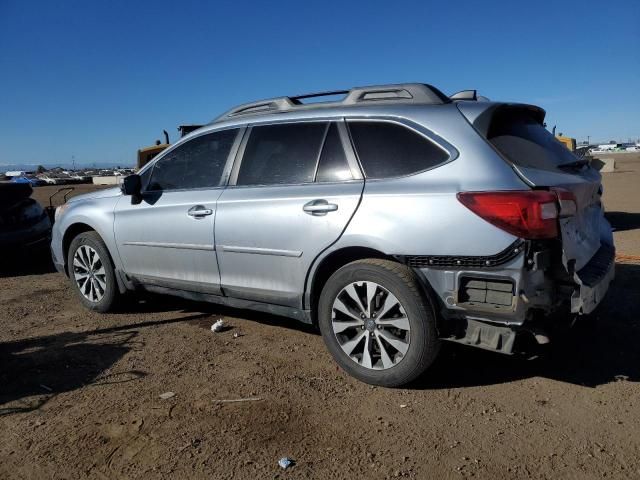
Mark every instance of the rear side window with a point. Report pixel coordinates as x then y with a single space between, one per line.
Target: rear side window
524 141
390 150
197 163
281 154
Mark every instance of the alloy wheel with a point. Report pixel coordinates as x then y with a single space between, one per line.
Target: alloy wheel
89 273
371 325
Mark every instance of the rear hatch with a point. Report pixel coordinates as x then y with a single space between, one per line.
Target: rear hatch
517 132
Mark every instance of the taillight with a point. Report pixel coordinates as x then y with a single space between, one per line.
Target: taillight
530 214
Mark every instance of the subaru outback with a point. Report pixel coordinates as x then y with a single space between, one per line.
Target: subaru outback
393 218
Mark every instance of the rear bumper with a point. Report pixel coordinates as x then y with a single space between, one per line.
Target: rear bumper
594 279
488 307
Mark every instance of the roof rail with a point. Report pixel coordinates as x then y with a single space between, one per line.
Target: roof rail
401 93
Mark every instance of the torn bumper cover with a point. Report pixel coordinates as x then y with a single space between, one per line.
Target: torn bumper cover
488 307
594 279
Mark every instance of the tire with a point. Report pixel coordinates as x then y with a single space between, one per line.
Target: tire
410 325
105 294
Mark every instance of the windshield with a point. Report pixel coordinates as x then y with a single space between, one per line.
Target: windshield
525 142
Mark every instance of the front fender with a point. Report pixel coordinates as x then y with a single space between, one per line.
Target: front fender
96 213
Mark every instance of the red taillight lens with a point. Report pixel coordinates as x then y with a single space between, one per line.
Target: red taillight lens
530 214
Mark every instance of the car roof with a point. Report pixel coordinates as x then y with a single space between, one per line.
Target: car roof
352 99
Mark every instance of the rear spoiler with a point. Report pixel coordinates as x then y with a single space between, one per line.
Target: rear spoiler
480 114
468 95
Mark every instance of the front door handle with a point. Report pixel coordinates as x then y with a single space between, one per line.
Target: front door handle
199 211
319 207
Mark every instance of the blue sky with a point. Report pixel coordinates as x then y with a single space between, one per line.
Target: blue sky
97 80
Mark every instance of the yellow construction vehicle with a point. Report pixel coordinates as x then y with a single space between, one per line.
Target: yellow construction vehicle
568 142
146 154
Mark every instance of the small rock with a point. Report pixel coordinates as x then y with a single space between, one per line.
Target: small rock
167 395
403 406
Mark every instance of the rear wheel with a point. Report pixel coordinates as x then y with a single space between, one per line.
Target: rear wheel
91 272
377 323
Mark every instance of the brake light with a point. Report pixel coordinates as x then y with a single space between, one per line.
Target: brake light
529 214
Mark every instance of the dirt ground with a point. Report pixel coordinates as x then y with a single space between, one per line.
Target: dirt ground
80 392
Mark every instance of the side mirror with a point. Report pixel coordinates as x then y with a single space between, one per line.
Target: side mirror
132 185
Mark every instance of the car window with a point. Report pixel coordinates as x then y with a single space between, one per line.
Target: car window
524 141
281 154
333 165
198 163
390 150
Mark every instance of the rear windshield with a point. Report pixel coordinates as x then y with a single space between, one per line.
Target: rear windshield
520 137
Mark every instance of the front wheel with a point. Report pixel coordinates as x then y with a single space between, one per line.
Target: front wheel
377 323
91 272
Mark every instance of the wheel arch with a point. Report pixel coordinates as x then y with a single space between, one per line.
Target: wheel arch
337 259
328 265
70 233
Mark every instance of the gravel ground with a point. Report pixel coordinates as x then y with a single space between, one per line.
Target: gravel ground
80 392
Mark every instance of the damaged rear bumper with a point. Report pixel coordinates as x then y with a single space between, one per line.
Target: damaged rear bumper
594 279
488 307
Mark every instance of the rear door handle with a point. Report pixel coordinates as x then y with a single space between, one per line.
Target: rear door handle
199 211
319 207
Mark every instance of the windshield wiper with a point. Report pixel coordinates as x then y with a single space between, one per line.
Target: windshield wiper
576 164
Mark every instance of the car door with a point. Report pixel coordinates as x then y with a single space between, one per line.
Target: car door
294 188
167 239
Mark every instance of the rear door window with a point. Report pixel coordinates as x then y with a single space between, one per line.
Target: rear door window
389 150
197 163
282 154
525 142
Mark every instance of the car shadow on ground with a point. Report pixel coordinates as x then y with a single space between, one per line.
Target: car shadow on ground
26 262
622 221
143 302
600 349
34 370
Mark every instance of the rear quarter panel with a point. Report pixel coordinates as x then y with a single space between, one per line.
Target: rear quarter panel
420 214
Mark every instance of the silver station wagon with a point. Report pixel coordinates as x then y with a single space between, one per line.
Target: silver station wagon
393 218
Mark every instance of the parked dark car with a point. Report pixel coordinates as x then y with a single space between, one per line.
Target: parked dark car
24 223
